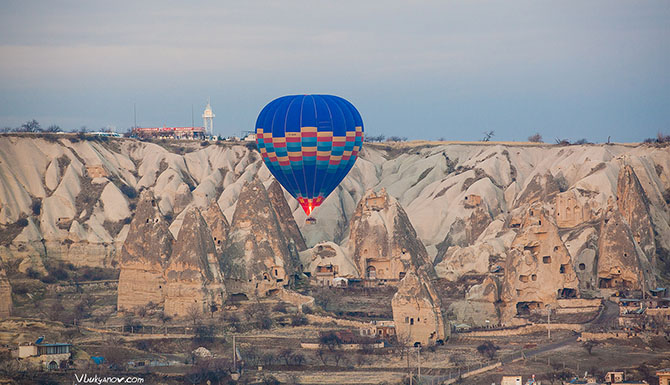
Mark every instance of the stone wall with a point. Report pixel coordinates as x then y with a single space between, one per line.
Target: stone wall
526 329
587 336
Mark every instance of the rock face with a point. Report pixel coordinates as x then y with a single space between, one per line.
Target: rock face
382 240
479 305
218 226
538 270
385 248
194 279
634 207
326 261
572 209
621 264
417 312
75 196
5 295
144 257
258 259
289 227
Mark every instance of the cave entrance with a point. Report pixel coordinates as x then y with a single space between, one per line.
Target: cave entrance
605 283
567 293
371 272
238 297
526 308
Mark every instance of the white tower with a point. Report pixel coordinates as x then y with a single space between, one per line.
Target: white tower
208 119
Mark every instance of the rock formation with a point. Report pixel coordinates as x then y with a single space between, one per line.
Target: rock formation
218 226
144 256
538 270
479 304
193 275
258 258
541 188
289 227
634 207
621 263
68 199
5 295
382 241
326 261
571 209
417 311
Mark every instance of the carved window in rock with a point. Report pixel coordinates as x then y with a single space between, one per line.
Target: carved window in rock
533 277
401 275
546 259
582 266
371 272
562 269
523 278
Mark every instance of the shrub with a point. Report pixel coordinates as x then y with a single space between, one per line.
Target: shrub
36 207
32 273
488 349
535 138
128 191
23 222
299 320
49 279
280 307
265 322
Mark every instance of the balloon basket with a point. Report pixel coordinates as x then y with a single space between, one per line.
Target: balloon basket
310 221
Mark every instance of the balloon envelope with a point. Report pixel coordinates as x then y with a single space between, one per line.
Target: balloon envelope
309 143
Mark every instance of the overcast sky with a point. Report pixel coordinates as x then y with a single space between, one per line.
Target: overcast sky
421 69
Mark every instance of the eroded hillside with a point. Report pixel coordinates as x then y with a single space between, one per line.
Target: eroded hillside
479 209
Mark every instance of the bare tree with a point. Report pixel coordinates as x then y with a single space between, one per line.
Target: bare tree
488 135
322 354
535 138
54 128
589 345
287 355
338 355
31 126
194 313
164 318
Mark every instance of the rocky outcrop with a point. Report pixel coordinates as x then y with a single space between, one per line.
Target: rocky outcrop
417 311
144 255
258 258
382 241
218 226
288 225
540 188
5 295
571 209
326 261
479 305
634 207
193 275
621 263
538 270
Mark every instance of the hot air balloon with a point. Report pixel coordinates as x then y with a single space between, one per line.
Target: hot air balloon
309 143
